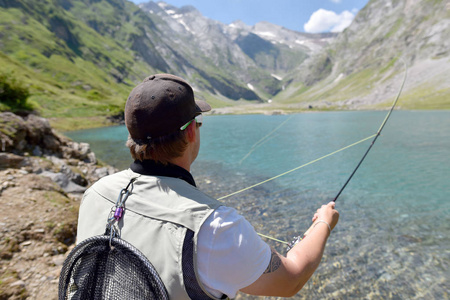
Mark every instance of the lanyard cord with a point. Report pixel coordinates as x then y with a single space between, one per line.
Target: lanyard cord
118 210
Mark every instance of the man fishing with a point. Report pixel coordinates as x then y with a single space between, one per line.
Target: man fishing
201 248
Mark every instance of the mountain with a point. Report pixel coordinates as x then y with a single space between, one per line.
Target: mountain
242 62
80 58
364 66
71 56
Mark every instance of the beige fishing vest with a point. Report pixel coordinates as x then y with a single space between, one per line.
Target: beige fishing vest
158 213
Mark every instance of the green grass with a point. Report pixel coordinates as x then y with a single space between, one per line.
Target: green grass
427 97
350 86
63 82
79 67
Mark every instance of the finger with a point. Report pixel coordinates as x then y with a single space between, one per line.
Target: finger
332 204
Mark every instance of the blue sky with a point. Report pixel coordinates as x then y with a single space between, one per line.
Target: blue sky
300 15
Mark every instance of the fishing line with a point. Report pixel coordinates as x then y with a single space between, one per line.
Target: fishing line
290 171
375 136
273 239
295 169
263 140
253 149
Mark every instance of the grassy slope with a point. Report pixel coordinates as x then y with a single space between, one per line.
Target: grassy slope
371 43
66 81
83 75
74 82
427 95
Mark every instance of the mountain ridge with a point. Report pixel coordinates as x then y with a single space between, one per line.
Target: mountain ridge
80 58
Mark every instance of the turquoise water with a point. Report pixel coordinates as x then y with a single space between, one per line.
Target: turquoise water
392 240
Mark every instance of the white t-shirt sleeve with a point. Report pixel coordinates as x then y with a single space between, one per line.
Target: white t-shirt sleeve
230 254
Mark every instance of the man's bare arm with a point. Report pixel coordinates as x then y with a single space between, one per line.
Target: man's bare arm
285 276
275 262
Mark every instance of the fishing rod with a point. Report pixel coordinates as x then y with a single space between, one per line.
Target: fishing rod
375 136
297 239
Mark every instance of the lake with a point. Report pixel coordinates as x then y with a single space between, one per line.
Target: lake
392 239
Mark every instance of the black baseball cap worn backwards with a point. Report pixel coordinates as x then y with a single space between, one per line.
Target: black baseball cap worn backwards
159 106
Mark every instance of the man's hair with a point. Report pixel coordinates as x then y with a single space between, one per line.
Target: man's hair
161 149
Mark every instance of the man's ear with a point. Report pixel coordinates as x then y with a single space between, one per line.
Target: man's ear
191 132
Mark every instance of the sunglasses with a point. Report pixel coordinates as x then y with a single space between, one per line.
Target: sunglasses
198 119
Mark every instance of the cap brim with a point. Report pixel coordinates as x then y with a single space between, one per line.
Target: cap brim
202 106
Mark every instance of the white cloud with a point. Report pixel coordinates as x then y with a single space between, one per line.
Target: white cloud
324 20
336 1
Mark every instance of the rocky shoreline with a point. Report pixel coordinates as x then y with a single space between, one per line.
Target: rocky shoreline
42 178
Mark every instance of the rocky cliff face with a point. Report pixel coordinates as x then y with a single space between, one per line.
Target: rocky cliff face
42 177
242 61
413 32
365 64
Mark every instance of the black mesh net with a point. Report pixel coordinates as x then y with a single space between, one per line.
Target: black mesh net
94 270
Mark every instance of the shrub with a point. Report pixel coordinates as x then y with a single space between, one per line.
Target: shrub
13 95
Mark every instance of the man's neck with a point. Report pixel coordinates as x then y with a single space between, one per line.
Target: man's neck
181 162
152 168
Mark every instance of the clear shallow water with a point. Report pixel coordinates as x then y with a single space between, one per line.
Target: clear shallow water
392 240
